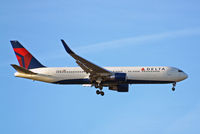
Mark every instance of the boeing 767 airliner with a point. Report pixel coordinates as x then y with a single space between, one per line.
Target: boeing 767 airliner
90 74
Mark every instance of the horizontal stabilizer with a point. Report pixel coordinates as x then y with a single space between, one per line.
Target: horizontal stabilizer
21 69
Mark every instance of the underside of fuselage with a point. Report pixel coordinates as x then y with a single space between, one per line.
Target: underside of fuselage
87 81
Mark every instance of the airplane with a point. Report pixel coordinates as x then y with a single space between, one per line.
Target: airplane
90 74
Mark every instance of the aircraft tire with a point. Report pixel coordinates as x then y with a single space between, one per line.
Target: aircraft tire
102 93
97 92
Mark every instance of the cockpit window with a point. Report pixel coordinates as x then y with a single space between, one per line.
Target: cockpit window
180 71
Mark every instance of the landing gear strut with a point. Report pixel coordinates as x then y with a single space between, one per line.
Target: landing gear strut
173 88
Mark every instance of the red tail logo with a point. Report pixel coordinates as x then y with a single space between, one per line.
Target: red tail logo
23 57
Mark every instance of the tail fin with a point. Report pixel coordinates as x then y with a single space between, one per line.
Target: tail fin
25 59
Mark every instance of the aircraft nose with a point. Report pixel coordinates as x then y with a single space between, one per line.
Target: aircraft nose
185 76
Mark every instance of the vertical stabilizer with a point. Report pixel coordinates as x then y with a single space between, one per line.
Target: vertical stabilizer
25 59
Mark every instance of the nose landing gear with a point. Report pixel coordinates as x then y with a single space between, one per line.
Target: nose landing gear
173 88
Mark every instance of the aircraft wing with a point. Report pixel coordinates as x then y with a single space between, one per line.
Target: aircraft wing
86 65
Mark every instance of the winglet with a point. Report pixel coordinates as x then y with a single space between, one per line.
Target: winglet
66 47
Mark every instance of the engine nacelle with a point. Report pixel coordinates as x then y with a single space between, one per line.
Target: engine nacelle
118 77
120 88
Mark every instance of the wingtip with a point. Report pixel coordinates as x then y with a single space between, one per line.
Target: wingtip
66 47
62 41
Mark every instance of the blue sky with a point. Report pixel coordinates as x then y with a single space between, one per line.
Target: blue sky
108 33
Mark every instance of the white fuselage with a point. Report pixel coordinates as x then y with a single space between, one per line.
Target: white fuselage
135 75
90 74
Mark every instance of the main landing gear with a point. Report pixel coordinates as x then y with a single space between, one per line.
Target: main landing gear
173 88
100 92
100 89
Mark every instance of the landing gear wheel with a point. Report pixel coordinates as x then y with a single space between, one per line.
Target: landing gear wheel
98 92
173 88
102 93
